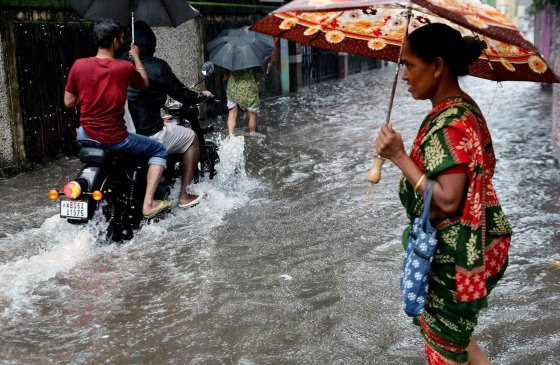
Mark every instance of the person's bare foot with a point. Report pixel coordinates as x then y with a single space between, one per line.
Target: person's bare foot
190 200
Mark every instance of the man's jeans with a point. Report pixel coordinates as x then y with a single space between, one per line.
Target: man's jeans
136 144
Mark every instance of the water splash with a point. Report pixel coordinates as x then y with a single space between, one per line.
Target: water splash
35 256
228 190
232 167
55 247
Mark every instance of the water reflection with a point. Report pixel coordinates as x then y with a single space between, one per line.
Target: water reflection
284 262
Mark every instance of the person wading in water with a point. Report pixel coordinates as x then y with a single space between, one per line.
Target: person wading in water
454 148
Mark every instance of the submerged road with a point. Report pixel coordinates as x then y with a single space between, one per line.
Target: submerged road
284 263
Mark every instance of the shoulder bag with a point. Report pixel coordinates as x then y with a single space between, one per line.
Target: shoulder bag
420 250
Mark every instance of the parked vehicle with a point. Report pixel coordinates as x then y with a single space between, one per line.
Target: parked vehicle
113 184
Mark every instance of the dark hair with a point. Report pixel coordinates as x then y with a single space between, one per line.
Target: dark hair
440 40
105 31
144 38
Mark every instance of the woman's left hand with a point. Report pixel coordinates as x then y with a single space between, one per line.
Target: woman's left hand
389 143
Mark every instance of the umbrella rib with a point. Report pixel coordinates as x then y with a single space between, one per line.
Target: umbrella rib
313 38
282 32
487 57
167 10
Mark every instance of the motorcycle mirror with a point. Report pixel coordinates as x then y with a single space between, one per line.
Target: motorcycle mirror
207 68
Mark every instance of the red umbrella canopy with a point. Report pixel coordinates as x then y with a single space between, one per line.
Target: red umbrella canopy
376 28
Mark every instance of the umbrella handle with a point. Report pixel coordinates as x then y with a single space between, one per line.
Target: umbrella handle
374 176
374 173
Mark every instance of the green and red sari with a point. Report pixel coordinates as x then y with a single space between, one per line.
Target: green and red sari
471 255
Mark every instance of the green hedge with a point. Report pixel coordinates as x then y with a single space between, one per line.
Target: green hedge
35 3
205 7
537 4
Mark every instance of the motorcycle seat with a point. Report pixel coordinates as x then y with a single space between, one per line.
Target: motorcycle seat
93 155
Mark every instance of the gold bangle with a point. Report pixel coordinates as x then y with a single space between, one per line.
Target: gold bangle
419 182
139 68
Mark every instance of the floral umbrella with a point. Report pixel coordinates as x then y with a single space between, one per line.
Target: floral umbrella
376 28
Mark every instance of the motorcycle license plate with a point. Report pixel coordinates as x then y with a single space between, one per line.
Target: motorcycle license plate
74 209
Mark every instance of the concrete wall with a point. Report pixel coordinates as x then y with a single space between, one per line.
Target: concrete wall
547 25
555 64
7 154
543 30
181 48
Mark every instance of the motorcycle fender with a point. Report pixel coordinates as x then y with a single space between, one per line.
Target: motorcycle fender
94 175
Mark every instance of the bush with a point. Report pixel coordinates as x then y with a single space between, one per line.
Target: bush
539 4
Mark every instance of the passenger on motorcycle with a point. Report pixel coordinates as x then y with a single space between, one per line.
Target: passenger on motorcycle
145 109
98 86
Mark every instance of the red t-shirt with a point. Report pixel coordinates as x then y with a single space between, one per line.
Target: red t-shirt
101 84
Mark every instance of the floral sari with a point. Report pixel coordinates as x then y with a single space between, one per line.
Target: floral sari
471 255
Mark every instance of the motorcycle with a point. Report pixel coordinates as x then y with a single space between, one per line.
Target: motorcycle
113 184
188 116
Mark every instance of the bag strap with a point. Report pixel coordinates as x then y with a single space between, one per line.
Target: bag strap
427 200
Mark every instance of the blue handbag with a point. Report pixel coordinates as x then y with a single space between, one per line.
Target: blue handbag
419 253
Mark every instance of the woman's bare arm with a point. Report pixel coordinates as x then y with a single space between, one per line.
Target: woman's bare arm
449 190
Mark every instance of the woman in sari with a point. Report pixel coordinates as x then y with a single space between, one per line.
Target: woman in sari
454 148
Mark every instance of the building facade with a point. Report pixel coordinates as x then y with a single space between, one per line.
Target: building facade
547 28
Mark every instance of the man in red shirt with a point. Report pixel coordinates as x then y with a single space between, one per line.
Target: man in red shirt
98 86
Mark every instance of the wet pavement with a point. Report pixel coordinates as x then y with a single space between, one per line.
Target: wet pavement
284 262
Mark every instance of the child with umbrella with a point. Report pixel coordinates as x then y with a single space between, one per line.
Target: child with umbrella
241 53
243 93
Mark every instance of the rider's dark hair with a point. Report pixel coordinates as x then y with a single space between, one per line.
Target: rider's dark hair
440 40
144 38
105 31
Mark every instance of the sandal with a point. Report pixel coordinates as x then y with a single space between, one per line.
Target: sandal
163 205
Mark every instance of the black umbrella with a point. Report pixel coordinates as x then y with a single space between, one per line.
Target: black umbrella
237 49
169 13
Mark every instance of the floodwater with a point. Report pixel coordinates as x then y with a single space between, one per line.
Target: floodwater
284 262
